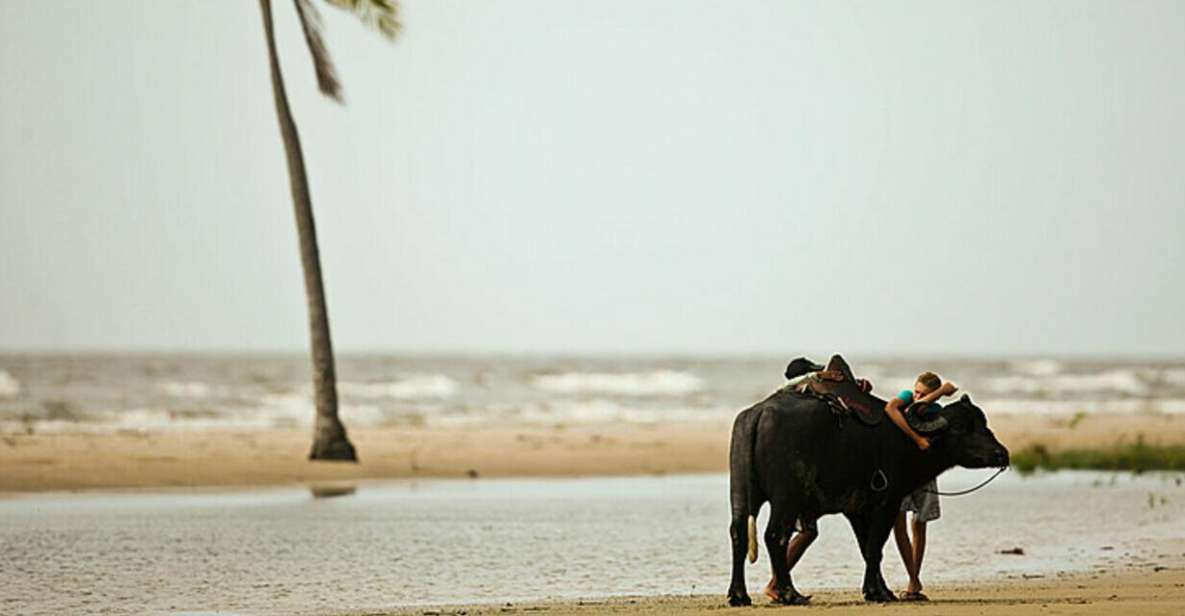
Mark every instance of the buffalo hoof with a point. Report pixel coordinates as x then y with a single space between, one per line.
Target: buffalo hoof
739 599
881 595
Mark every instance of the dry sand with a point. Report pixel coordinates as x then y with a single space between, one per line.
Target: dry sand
75 461
1148 593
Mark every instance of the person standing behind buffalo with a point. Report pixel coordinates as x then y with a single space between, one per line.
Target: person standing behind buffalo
923 502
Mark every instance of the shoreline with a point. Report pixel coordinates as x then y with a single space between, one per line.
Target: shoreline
1158 591
256 458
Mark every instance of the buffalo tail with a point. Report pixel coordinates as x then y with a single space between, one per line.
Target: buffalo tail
754 501
751 530
746 497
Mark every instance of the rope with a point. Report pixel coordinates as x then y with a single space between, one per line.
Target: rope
962 492
884 481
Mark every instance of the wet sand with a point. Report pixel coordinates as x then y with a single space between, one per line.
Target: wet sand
79 461
1146 594
553 543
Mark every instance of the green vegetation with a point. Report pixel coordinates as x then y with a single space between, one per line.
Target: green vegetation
1136 457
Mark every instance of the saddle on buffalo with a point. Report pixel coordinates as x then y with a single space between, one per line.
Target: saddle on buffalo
843 391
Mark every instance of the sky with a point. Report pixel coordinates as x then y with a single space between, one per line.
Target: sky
634 177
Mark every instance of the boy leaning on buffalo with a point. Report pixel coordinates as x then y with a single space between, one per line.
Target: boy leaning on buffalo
923 502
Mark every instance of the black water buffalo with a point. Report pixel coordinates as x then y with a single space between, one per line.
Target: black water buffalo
792 451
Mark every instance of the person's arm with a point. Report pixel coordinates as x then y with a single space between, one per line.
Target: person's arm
794 382
946 389
893 410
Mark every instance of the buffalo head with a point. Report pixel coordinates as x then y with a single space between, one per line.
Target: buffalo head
966 439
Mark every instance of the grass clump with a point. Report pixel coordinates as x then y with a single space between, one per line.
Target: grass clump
1136 457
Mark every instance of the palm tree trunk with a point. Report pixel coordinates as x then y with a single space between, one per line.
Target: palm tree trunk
329 435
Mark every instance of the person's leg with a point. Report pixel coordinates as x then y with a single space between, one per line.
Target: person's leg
794 551
925 499
798 546
919 551
901 535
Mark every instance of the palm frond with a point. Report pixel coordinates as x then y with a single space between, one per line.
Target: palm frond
382 15
310 23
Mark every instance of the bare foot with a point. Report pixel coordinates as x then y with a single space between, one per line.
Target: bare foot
793 598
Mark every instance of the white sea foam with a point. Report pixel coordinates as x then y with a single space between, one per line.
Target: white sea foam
289 410
1071 407
1174 376
608 411
1038 367
638 384
50 426
360 415
456 421
185 390
281 411
286 410
141 420
9 387
589 411
156 420
409 387
1121 381
1174 406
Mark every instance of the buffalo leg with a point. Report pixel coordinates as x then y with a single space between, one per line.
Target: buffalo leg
860 530
876 532
777 535
739 531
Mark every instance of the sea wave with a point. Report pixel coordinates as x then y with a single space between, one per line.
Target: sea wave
276 411
608 411
637 384
157 420
1174 376
1037 367
140 420
1129 406
1120 381
177 389
297 410
9 387
409 387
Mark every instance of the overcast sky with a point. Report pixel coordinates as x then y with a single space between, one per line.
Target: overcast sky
953 178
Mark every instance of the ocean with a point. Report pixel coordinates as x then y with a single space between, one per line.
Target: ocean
44 393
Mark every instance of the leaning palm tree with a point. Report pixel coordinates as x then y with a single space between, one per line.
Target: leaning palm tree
329 435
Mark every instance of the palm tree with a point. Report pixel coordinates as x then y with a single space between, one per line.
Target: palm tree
329 435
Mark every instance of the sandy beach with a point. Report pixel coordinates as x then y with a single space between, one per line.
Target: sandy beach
176 458
1147 593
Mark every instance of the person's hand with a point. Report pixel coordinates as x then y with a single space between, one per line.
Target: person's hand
923 443
948 389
